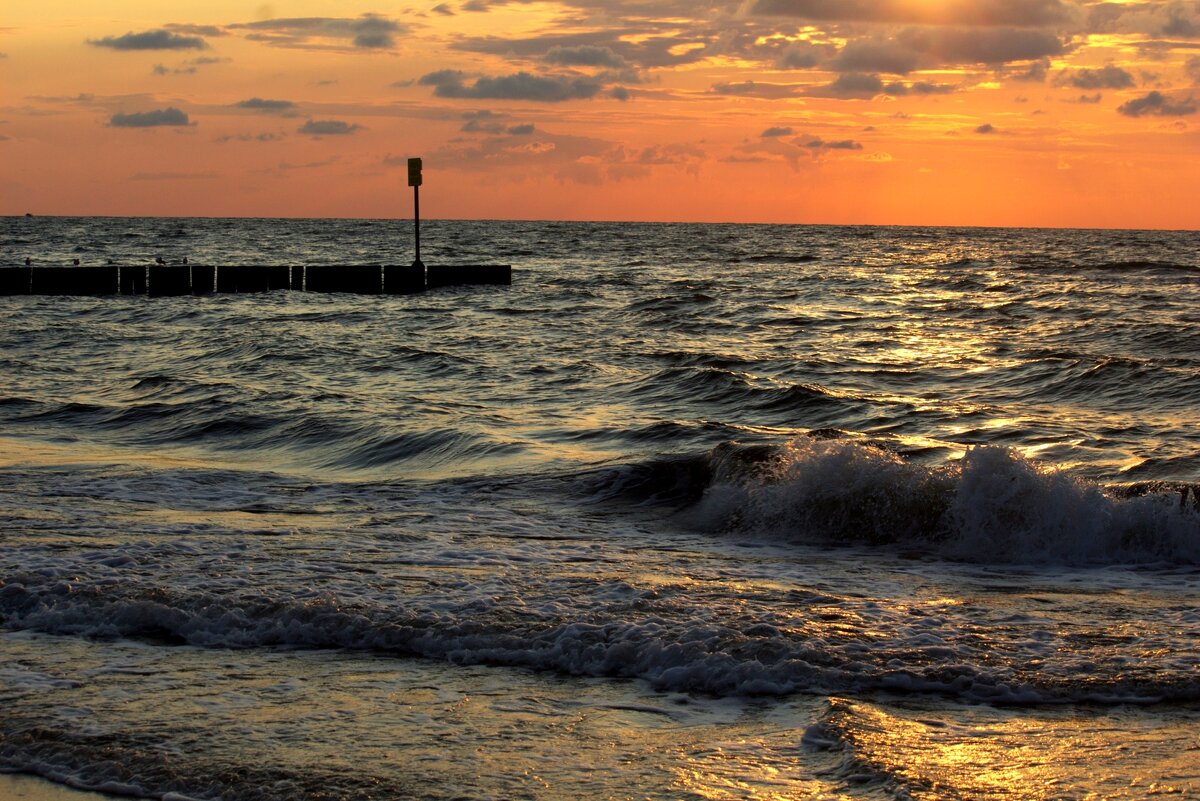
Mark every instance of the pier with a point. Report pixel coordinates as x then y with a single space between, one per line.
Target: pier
175 280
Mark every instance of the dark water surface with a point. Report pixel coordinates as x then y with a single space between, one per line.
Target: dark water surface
689 511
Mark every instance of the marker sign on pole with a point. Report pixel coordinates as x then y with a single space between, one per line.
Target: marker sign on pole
414 172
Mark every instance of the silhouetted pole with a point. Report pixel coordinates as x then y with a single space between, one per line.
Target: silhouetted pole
414 180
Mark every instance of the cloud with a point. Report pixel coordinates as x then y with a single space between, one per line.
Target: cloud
1192 68
877 55
1020 13
986 128
1108 77
162 69
766 91
619 93
328 128
197 30
817 143
521 130
1156 104
170 116
778 130
262 137
151 40
443 9
368 32
851 85
518 86
262 104
584 56
1035 73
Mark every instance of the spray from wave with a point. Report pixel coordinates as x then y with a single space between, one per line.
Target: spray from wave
991 506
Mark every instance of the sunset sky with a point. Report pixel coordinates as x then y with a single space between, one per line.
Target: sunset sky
977 112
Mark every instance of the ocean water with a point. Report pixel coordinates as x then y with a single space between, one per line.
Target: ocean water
688 512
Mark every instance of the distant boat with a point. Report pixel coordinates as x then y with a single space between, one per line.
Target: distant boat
28 214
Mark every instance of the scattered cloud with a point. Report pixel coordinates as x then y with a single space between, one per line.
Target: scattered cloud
946 12
160 39
368 32
262 137
197 30
759 89
1108 77
986 128
1157 104
1192 68
518 86
170 116
817 143
328 128
443 9
850 85
779 130
262 104
584 56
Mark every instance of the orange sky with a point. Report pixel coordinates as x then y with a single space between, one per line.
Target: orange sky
974 112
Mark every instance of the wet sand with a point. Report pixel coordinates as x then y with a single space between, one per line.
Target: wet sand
21 787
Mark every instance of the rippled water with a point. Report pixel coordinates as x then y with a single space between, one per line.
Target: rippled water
689 511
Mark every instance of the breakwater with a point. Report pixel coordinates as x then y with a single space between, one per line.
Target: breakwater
173 280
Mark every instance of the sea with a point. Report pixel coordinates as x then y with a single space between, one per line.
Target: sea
688 512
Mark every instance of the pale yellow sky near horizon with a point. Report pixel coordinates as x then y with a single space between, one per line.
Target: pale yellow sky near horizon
1021 112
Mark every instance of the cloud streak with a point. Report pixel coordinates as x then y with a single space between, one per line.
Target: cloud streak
166 117
160 39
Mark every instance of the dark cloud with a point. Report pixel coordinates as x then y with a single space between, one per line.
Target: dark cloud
800 55
1108 77
443 9
150 40
1034 73
170 116
851 85
766 91
817 143
518 86
637 45
778 130
986 128
1157 104
1090 100
584 56
877 55
1192 68
619 93
521 130
1020 13
162 69
328 128
262 137
262 104
941 46
197 30
368 32
1175 18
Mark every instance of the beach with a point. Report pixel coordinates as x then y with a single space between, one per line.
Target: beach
688 511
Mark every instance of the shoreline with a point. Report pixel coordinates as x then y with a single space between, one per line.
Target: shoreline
28 787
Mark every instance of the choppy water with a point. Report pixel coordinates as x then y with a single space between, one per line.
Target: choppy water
689 511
